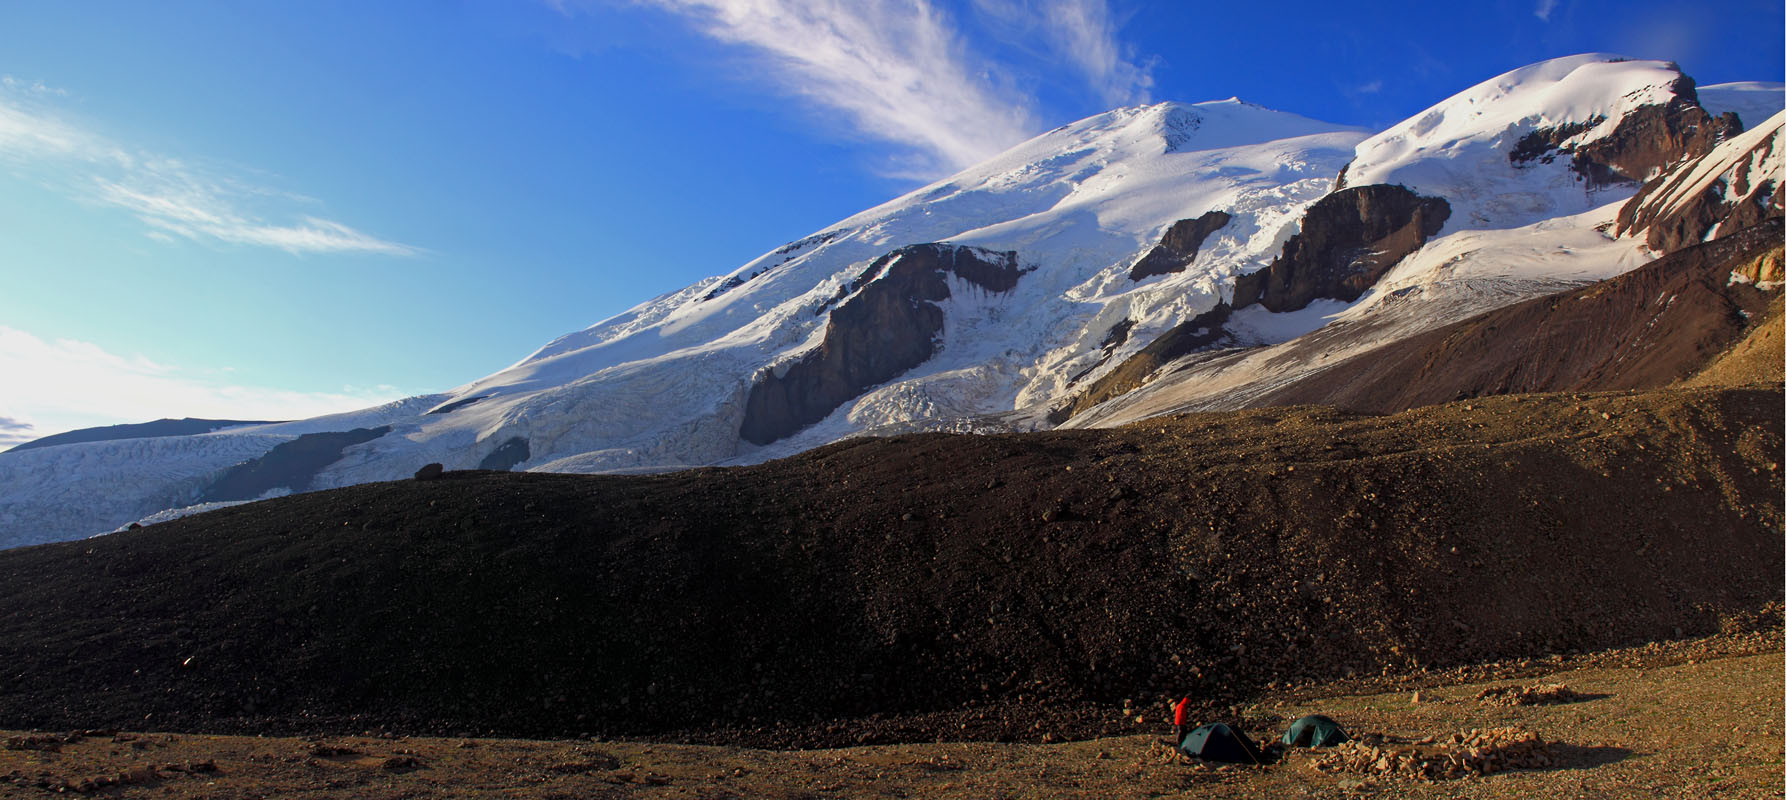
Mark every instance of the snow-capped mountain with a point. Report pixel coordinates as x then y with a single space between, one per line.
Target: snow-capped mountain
1062 275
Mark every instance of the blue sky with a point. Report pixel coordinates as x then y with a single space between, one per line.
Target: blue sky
266 210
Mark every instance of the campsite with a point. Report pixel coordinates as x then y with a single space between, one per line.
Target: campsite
1690 719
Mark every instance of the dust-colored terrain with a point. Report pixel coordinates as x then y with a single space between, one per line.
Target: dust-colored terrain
1689 720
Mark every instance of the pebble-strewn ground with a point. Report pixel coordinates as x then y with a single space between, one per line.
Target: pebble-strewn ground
1694 721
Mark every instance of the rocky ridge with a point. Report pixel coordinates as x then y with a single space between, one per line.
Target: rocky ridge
1650 327
1728 190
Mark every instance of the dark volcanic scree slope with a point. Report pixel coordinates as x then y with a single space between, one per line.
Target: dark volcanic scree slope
833 597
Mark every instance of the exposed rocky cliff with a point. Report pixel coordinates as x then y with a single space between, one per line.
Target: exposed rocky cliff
1348 240
1178 248
1644 141
1183 339
887 324
1728 190
1647 328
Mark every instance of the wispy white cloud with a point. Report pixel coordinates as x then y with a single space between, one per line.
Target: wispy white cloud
31 86
1372 87
1083 34
55 385
171 196
1544 8
896 71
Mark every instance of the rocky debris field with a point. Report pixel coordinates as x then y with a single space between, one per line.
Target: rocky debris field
1473 753
1689 719
1534 695
923 588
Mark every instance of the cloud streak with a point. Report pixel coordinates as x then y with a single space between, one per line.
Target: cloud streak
1082 34
1544 9
904 72
895 70
57 385
175 198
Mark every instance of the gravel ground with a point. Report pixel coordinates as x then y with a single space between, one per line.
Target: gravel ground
1691 719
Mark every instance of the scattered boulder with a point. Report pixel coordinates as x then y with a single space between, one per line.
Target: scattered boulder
1539 694
429 472
1471 754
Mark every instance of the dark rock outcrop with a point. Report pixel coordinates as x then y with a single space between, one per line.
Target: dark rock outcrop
1183 339
888 326
1113 338
290 465
1349 239
455 405
429 472
1673 214
1650 327
140 430
1644 141
1178 248
507 454
788 252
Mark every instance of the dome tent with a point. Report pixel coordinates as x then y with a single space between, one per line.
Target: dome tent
1314 730
1219 742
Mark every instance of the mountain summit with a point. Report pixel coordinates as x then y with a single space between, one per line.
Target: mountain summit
1092 268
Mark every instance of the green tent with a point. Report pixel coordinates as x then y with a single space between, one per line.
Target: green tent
1314 730
1218 742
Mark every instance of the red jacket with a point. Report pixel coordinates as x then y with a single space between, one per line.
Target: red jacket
1178 711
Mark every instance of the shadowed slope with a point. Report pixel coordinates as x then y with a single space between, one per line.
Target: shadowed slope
1021 577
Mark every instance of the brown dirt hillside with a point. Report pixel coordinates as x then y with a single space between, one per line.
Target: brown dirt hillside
1650 327
1759 358
911 588
1680 727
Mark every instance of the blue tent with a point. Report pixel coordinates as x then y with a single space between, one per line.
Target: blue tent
1314 730
1218 742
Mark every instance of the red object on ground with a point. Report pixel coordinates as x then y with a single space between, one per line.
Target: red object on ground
1178 712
